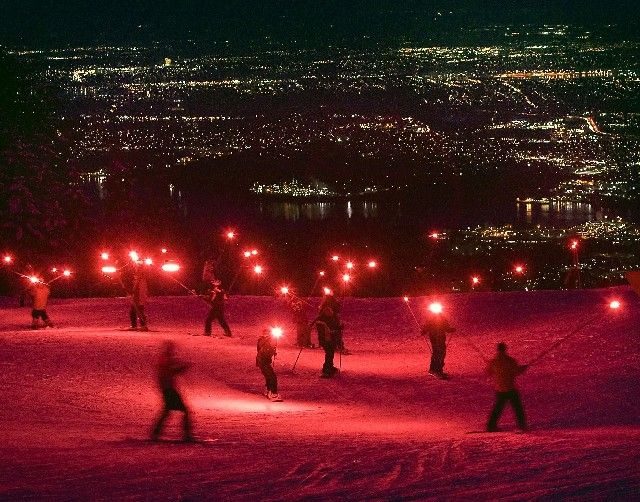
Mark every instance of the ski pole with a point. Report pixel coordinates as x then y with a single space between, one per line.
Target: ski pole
574 331
296 362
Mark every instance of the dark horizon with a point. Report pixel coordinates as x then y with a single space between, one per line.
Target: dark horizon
54 24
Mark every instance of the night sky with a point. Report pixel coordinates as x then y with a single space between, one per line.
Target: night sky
139 21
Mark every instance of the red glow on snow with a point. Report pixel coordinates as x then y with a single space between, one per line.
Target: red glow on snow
104 255
335 257
170 267
109 269
257 269
134 256
276 332
372 264
435 308
284 290
67 273
615 304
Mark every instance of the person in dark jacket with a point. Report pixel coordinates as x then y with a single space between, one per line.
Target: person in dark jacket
139 294
39 292
168 368
436 327
303 331
216 300
330 301
504 369
264 360
328 328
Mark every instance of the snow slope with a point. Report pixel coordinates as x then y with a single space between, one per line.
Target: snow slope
78 402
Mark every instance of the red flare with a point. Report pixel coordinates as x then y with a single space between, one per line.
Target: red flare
148 261
54 269
372 264
615 304
104 255
163 250
349 265
276 332
346 277
405 298
230 235
109 269
327 291
247 254
475 280
257 269
67 273
335 257
7 259
519 269
254 252
321 273
34 279
134 256
436 308
284 290
170 267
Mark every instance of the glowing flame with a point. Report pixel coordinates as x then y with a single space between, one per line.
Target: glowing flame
163 250
349 265
335 257
247 254
574 245
434 235
34 279
327 291
276 332
405 298
615 304
372 264
257 269
109 269
148 261
231 235
54 269
321 273
475 279
284 290
170 267
346 277
67 273
134 256
104 255
7 259
435 308
254 252
519 269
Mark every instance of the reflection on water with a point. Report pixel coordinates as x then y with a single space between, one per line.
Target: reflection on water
316 211
555 212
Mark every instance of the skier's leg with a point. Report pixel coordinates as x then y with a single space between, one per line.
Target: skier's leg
157 428
516 403
492 423
141 316
208 321
223 323
133 316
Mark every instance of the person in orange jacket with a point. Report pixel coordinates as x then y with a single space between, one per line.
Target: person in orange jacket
39 292
504 369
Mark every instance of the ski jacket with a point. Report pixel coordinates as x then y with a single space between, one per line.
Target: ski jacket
437 325
217 298
140 291
168 368
40 294
266 350
504 369
328 328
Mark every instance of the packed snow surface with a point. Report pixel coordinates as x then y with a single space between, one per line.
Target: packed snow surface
78 402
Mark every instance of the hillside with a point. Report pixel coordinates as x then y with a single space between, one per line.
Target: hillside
79 400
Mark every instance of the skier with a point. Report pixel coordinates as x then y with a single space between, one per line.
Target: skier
139 293
303 331
330 301
328 328
168 367
436 328
504 369
216 300
39 292
264 360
